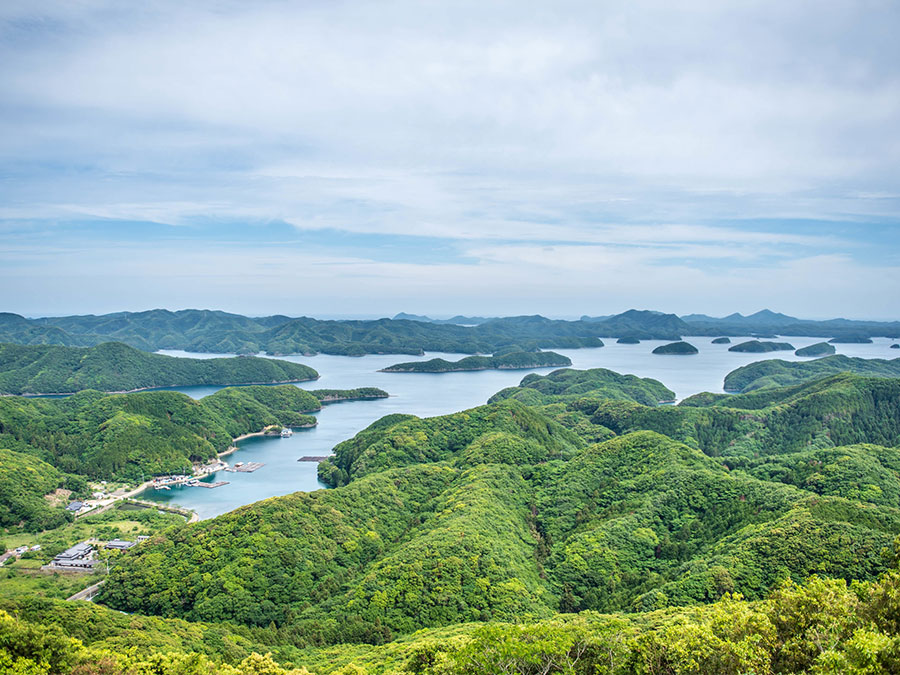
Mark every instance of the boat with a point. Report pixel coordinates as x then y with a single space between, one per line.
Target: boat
286 433
162 487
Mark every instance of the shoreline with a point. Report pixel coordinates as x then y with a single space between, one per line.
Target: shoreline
163 387
467 370
233 448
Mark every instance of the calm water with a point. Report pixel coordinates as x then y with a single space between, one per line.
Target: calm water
427 394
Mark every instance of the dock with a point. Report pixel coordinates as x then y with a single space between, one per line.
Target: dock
312 458
210 486
249 467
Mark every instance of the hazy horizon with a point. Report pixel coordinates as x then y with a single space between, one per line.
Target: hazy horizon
447 315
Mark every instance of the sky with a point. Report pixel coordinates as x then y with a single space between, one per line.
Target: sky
483 158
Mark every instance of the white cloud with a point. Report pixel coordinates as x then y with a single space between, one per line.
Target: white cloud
620 134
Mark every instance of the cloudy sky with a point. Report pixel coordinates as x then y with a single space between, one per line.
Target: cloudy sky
363 158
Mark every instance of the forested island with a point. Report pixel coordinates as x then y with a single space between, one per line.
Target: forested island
509 361
721 341
758 347
778 373
818 349
628 341
116 367
677 348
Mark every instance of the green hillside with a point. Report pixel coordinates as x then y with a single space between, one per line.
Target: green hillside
24 482
596 383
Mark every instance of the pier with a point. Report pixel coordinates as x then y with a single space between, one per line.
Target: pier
209 486
312 458
248 467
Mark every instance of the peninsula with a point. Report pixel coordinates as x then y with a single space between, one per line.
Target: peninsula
117 367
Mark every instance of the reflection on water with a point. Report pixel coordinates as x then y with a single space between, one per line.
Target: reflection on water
427 394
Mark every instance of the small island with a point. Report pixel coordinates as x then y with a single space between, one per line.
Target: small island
722 341
510 361
757 347
678 348
818 349
896 345
628 341
326 396
851 340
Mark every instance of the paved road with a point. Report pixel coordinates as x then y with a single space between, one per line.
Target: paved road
88 592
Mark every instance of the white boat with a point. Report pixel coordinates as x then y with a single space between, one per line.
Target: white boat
286 433
162 487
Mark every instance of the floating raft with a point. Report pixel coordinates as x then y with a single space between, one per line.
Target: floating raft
311 458
210 486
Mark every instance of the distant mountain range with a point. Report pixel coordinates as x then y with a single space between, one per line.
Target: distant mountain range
769 322
456 320
220 332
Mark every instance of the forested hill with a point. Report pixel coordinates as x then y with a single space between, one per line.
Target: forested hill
597 383
767 322
508 511
778 373
115 367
